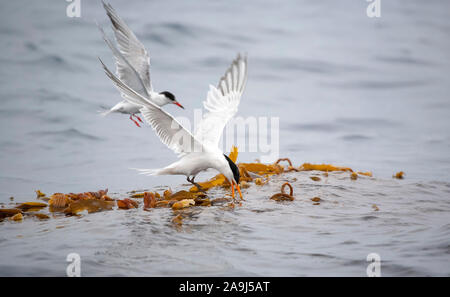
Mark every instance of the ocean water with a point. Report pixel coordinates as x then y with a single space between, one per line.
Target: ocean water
368 93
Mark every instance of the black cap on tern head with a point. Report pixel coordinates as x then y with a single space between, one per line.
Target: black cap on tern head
168 95
233 168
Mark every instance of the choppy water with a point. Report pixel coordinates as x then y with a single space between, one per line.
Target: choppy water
372 94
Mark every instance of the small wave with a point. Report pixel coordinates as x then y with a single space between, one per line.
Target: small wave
403 60
316 127
15 178
311 66
31 46
318 255
51 61
157 38
47 95
355 137
168 33
374 122
380 85
71 133
367 218
213 61
179 28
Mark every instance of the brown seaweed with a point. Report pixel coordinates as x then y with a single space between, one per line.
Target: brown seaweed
183 204
8 212
399 175
149 200
28 205
284 196
91 205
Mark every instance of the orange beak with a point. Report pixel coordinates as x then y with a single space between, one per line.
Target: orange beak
178 104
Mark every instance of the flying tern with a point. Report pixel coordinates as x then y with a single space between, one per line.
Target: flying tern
132 67
200 151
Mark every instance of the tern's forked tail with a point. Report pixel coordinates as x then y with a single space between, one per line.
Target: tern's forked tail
104 112
150 171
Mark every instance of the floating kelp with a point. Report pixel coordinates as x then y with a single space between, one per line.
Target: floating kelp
39 194
149 200
30 205
218 180
8 212
41 216
290 167
181 195
328 167
59 200
167 193
183 202
202 201
284 196
89 205
322 167
245 170
141 195
127 203
138 195
262 169
17 217
101 194
399 175
369 174
259 181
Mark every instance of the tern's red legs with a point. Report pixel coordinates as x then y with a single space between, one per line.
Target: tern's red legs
138 118
131 118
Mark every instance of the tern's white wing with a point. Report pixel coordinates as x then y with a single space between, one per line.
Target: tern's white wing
169 130
222 103
130 47
124 69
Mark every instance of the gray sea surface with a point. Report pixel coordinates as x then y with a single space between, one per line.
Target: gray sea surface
349 90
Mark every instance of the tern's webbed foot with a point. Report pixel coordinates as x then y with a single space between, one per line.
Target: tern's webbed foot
196 184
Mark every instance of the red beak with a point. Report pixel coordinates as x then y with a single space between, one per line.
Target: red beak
176 103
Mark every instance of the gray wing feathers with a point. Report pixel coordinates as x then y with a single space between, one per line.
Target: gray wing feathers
124 69
131 48
222 102
169 130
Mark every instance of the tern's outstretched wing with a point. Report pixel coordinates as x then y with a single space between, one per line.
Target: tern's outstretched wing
131 48
169 130
124 69
222 103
